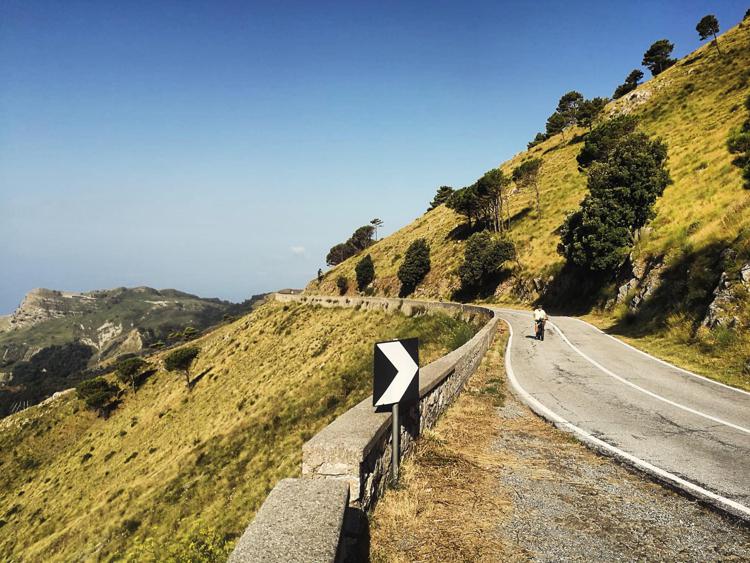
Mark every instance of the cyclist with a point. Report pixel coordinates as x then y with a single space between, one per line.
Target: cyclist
540 318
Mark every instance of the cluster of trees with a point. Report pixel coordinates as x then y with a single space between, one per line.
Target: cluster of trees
658 56
102 395
53 362
572 109
413 269
361 239
626 175
486 203
739 144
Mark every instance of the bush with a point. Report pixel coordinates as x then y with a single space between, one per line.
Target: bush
602 140
365 271
181 360
484 256
343 284
97 393
129 369
415 266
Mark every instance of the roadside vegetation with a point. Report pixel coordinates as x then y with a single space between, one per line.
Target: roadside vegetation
137 465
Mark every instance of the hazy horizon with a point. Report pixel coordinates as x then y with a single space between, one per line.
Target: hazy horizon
221 149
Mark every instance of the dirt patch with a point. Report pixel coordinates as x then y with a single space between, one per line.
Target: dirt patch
493 482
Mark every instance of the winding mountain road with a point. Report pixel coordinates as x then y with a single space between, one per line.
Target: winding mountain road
683 429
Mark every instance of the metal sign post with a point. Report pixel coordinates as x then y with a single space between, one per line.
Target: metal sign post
395 381
394 442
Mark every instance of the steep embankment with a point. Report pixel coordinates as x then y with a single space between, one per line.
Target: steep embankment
666 297
174 470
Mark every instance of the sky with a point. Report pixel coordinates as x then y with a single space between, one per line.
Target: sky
221 148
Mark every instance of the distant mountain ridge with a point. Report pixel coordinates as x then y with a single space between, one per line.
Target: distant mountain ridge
92 327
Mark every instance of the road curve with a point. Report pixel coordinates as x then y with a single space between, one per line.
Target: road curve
683 429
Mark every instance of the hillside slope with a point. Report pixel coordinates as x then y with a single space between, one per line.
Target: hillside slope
700 231
80 330
173 468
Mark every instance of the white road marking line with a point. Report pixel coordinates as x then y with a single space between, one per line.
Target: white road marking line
664 362
727 504
646 391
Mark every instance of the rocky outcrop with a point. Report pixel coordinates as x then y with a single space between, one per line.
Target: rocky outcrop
644 281
730 292
41 305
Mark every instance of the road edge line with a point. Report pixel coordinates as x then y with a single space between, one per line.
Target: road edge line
663 362
715 500
643 390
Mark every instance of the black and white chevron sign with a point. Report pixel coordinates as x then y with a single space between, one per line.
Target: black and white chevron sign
396 372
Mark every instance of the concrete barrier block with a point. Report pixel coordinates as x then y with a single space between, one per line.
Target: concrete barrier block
300 521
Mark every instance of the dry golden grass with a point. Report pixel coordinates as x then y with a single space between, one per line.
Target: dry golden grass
447 505
74 486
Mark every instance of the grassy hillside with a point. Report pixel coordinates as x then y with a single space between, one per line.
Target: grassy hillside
692 107
173 468
108 323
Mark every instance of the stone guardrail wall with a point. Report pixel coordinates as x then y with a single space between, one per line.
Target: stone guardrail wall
346 466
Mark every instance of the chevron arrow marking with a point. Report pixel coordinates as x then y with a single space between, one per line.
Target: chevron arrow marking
406 369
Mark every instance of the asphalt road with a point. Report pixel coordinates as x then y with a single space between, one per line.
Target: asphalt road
683 429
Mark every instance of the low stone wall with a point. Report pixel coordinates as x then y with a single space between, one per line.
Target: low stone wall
356 447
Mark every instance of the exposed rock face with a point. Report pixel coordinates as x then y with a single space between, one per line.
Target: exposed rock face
645 281
41 305
732 288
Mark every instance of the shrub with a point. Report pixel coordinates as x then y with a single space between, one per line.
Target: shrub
181 360
98 393
484 256
129 369
365 271
343 284
415 266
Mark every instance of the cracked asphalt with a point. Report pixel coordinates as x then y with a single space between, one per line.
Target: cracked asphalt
691 427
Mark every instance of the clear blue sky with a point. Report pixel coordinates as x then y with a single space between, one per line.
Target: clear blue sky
222 147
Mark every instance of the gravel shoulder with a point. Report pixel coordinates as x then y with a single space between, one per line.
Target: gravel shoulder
494 482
